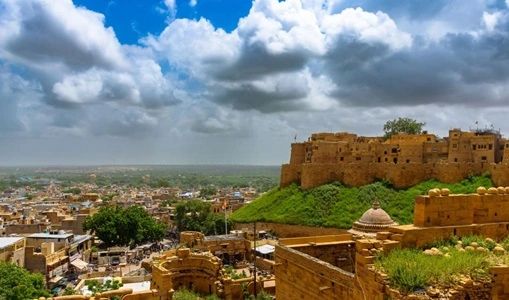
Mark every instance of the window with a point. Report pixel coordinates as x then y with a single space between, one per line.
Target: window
358 158
386 159
407 161
490 146
385 152
435 149
483 157
394 150
455 159
341 158
428 139
395 160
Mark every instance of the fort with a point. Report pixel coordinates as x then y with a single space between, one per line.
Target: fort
404 159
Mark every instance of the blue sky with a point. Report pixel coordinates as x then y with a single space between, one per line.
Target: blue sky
233 81
133 20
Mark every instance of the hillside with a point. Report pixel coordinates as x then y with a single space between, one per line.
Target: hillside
335 205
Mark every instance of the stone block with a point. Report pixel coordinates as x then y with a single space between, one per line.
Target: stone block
383 235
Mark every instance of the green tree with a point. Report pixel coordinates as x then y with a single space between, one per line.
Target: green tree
116 226
96 287
196 215
208 191
75 191
406 125
69 291
162 182
17 283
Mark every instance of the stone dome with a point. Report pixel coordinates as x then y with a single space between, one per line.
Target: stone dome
373 220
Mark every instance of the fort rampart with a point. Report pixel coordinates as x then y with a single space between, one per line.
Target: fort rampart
404 160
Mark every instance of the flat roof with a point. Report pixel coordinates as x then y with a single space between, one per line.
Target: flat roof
50 236
80 238
224 237
265 249
7 241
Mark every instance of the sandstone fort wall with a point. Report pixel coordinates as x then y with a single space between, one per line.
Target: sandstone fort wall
405 160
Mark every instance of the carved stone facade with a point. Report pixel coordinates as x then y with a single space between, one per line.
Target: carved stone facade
403 159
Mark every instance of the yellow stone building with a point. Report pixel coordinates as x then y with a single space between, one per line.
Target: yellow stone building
403 159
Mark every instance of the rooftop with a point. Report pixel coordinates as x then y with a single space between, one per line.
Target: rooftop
7 241
50 236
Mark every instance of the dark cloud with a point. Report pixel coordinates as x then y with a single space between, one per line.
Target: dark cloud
459 69
256 61
45 38
283 96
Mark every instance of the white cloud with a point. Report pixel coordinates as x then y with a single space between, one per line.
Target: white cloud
365 27
289 67
491 20
193 3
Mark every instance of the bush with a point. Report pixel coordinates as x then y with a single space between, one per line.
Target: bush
410 269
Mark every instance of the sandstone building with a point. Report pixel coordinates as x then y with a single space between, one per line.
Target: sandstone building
403 159
341 266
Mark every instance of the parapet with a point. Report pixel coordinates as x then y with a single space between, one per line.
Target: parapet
440 208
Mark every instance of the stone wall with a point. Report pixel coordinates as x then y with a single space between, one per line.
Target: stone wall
300 276
74 225
401 174
441 209
288 230
405 160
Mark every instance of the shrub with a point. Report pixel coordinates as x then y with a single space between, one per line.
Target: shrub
410 269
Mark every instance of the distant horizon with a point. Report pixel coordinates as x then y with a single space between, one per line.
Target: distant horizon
135 165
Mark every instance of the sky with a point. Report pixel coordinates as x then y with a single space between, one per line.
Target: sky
89 82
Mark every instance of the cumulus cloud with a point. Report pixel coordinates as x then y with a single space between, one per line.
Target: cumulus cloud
45 32
289 66
79 62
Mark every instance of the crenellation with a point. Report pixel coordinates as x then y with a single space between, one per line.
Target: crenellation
403 159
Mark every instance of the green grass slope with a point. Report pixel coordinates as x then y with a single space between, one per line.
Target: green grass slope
335 205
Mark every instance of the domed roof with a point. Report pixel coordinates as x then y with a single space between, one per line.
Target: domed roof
373 220
376 216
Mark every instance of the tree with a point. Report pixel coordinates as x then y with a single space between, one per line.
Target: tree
116 226
17 283
96 287
406 125
69 291
74 190
195 215
208 191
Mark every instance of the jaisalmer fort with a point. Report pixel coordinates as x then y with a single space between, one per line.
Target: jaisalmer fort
403 159
350 265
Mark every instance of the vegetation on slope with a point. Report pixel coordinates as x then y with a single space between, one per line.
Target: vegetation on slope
335 205
450 262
